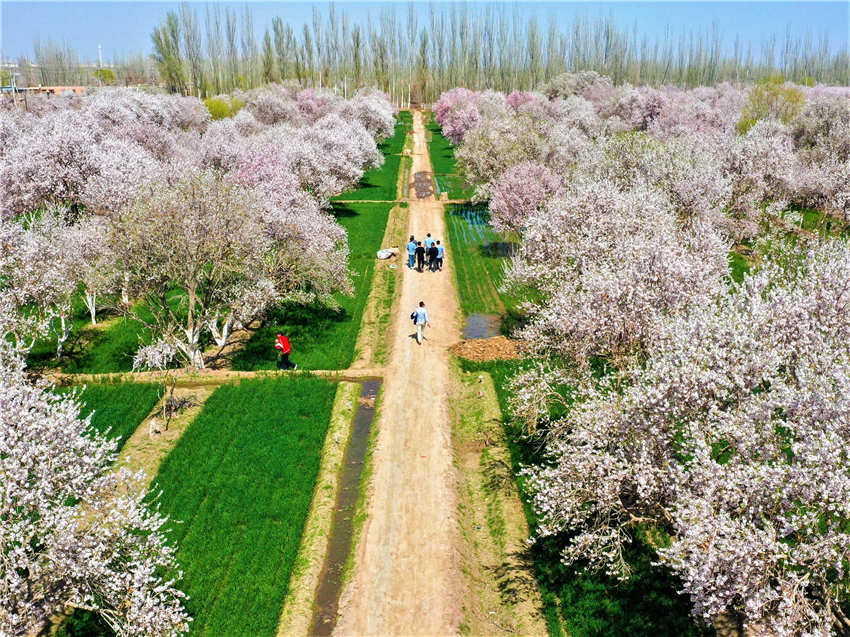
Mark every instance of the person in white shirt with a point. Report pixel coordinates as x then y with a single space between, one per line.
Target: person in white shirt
420 319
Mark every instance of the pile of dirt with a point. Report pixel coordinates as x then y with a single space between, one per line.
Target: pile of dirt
487 349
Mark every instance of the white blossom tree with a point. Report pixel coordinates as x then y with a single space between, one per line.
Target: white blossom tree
39 273
611 267
731 439
75 532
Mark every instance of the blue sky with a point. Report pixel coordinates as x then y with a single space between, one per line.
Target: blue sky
125 27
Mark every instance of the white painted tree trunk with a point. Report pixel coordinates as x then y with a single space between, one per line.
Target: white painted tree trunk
64 331
125 287
90 299
221 335
192 348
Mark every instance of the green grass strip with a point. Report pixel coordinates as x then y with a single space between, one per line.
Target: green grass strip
237 488
394 145
444 165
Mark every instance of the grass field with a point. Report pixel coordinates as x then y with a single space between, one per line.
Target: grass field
102 349
378 184
322 338
584 605
107 347
118 407
237 488
444 166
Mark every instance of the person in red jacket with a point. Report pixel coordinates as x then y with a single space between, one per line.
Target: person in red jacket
284 349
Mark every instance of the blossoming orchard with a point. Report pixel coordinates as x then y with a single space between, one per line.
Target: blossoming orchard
623 407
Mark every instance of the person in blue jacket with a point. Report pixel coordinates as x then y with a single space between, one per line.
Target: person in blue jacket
441 250
411 252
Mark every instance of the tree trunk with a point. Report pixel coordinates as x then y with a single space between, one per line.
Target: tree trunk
91 304
125 286
220 336
192 348
65 329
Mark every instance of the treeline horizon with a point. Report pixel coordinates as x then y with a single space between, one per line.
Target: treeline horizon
215 50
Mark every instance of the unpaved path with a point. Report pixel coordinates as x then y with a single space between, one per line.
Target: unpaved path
406 578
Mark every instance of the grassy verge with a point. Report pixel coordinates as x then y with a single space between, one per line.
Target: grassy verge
237 488
584 604
373 346
444 165
502 596
298 607
395 144
324 338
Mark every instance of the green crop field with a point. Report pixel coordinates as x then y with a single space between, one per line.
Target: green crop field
586 604
378 184
323 338
444 166
118 407
479 255
237 488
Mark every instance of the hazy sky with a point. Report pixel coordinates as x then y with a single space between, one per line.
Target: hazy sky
125 27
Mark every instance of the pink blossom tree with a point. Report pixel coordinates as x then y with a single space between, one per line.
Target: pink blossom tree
520 192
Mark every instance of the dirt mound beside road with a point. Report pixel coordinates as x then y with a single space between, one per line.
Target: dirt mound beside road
487 349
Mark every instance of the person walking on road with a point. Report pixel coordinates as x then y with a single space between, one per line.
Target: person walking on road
420 319
411 252
432 257
429 241
284 349
440 252
420 256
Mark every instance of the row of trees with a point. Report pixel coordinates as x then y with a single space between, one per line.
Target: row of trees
59 64
720 425
419 55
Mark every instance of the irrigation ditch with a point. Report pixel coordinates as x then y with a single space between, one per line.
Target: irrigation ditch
342 527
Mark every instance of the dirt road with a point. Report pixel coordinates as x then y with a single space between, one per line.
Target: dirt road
406 578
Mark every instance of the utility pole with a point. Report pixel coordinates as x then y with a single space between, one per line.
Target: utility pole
99 64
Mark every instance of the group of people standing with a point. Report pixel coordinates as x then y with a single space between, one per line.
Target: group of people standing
426 253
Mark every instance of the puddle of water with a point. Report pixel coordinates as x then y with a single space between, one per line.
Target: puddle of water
499 248
342 529
482 326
